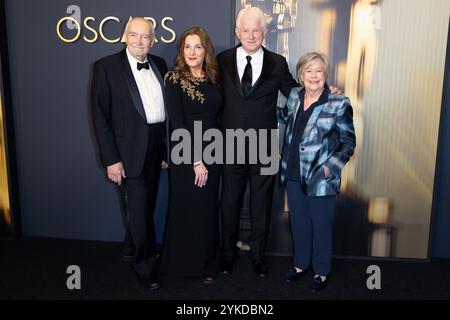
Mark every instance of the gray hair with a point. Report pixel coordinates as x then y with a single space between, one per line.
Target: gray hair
152 28
252 11
309 57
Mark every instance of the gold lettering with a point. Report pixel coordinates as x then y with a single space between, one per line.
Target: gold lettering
58 26
154 26
85 22
124 39
100 29
95 33
168 29
124 36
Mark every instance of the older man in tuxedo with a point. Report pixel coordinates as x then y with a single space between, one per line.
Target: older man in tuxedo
129 121
252 76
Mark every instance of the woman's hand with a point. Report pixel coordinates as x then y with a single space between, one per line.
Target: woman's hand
201 174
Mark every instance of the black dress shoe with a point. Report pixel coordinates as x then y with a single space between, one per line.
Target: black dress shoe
226 266
318 284
260 268
208 280
293 275
148 282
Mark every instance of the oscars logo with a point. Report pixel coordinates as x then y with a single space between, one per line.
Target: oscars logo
89 23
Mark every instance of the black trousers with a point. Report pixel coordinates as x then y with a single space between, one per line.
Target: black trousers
235 179
141 193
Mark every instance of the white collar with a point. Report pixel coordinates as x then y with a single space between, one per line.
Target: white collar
256 57
133 60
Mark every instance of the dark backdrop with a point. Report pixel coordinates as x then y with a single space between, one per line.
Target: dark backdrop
62 187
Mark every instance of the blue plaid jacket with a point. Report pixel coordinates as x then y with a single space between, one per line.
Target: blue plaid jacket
328 140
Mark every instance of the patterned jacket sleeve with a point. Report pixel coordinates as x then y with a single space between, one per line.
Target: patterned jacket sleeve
347 139
283 113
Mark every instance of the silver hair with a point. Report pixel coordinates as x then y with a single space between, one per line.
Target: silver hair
255 12
152 28
309 57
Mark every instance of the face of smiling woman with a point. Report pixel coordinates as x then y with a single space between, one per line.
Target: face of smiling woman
194 54
314 76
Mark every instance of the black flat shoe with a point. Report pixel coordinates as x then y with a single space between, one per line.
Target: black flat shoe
293 275
318 284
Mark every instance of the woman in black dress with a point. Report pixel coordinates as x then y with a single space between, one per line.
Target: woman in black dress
191 243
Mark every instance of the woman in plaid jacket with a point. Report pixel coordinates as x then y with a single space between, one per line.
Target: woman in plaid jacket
319 140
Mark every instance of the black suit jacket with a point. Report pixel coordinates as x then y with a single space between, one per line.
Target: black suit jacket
119 118
258 109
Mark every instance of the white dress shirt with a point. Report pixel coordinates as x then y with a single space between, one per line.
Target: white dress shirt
256 62
150 91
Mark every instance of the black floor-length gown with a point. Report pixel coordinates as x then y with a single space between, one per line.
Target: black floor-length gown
191 242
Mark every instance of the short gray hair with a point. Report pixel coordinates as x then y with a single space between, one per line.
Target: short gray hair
306 59
152 28
252 11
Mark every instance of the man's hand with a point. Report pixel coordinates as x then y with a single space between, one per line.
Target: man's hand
201 175
116 172
336 90
164 165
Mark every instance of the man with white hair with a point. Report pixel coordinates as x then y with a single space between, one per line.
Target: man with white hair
129 122
251 77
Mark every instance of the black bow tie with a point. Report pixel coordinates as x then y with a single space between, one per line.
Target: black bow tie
142 65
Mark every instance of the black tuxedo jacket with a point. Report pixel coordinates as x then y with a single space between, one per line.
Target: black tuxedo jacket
119 118
258 109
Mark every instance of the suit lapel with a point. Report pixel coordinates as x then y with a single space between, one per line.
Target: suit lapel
231 66
291 121
132 86
265 71
156 70
160 77
312 120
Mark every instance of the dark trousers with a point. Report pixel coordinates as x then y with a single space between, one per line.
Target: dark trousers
312 228
141 193
234 183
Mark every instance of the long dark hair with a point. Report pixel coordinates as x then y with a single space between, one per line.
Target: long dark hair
210 66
